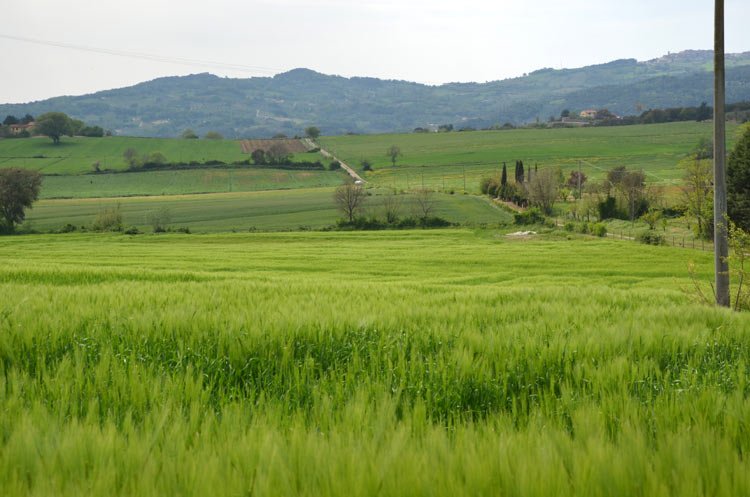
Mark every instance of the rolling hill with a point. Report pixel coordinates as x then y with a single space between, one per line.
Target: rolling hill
290 101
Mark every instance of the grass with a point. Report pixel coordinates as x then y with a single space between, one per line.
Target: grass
178 182
267 210
442 160
402 363
76 155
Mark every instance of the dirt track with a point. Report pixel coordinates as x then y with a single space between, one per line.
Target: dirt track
344 166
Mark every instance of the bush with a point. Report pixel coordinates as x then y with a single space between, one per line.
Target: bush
334 166
570 226
489 186
583 228
599 229
109 219
651 238
530 216
68 228
132 231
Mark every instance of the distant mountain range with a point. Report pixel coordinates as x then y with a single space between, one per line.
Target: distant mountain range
291 101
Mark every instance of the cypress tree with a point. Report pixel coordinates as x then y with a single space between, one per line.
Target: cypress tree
520 171
504 176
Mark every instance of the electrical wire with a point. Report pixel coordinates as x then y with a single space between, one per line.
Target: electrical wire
152 57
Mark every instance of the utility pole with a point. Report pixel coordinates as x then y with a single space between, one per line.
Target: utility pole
721 239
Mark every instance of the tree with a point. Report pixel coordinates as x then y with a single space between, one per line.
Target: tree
258 156
28 118
131 158
366 165
633 190
349 199
704 112
697 191
189 134
394 152
543 189
10 120
738 181
391 207
424 203
576 181
19 188
278 154
565 113
213 135
76 125
519 172
54 125
704 149
652 217
312 132
92 131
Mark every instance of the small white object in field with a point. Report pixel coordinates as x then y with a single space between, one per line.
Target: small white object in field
522 233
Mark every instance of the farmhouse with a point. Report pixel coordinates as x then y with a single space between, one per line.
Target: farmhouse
589 114
17 129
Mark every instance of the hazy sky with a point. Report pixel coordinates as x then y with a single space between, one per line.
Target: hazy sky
429 41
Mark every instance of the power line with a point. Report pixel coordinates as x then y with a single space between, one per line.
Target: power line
146 56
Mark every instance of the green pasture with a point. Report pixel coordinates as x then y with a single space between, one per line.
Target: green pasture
176 182
76 155
265 210
444 160
425 363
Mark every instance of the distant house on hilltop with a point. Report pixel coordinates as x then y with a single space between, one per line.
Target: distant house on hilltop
589 114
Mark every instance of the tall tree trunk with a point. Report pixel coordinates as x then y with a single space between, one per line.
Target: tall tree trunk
721 244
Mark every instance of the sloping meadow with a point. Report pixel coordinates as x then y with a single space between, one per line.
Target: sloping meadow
409 363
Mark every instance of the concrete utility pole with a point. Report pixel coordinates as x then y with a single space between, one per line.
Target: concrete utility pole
721 242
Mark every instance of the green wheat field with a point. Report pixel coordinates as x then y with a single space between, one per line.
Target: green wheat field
424 363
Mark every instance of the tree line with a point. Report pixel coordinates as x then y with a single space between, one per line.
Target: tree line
54 125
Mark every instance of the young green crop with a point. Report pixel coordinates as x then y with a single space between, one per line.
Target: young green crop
445 160
394 363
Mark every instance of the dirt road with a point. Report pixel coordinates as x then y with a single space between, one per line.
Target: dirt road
344 166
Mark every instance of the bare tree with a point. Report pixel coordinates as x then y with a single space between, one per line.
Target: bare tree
543 189
349 199
278 153
424 203
391 207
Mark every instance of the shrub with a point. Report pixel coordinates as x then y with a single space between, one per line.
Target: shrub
583 228
570 226
489 186
109 219
530 216
334 166
599 229
68 228
651 238
132 231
